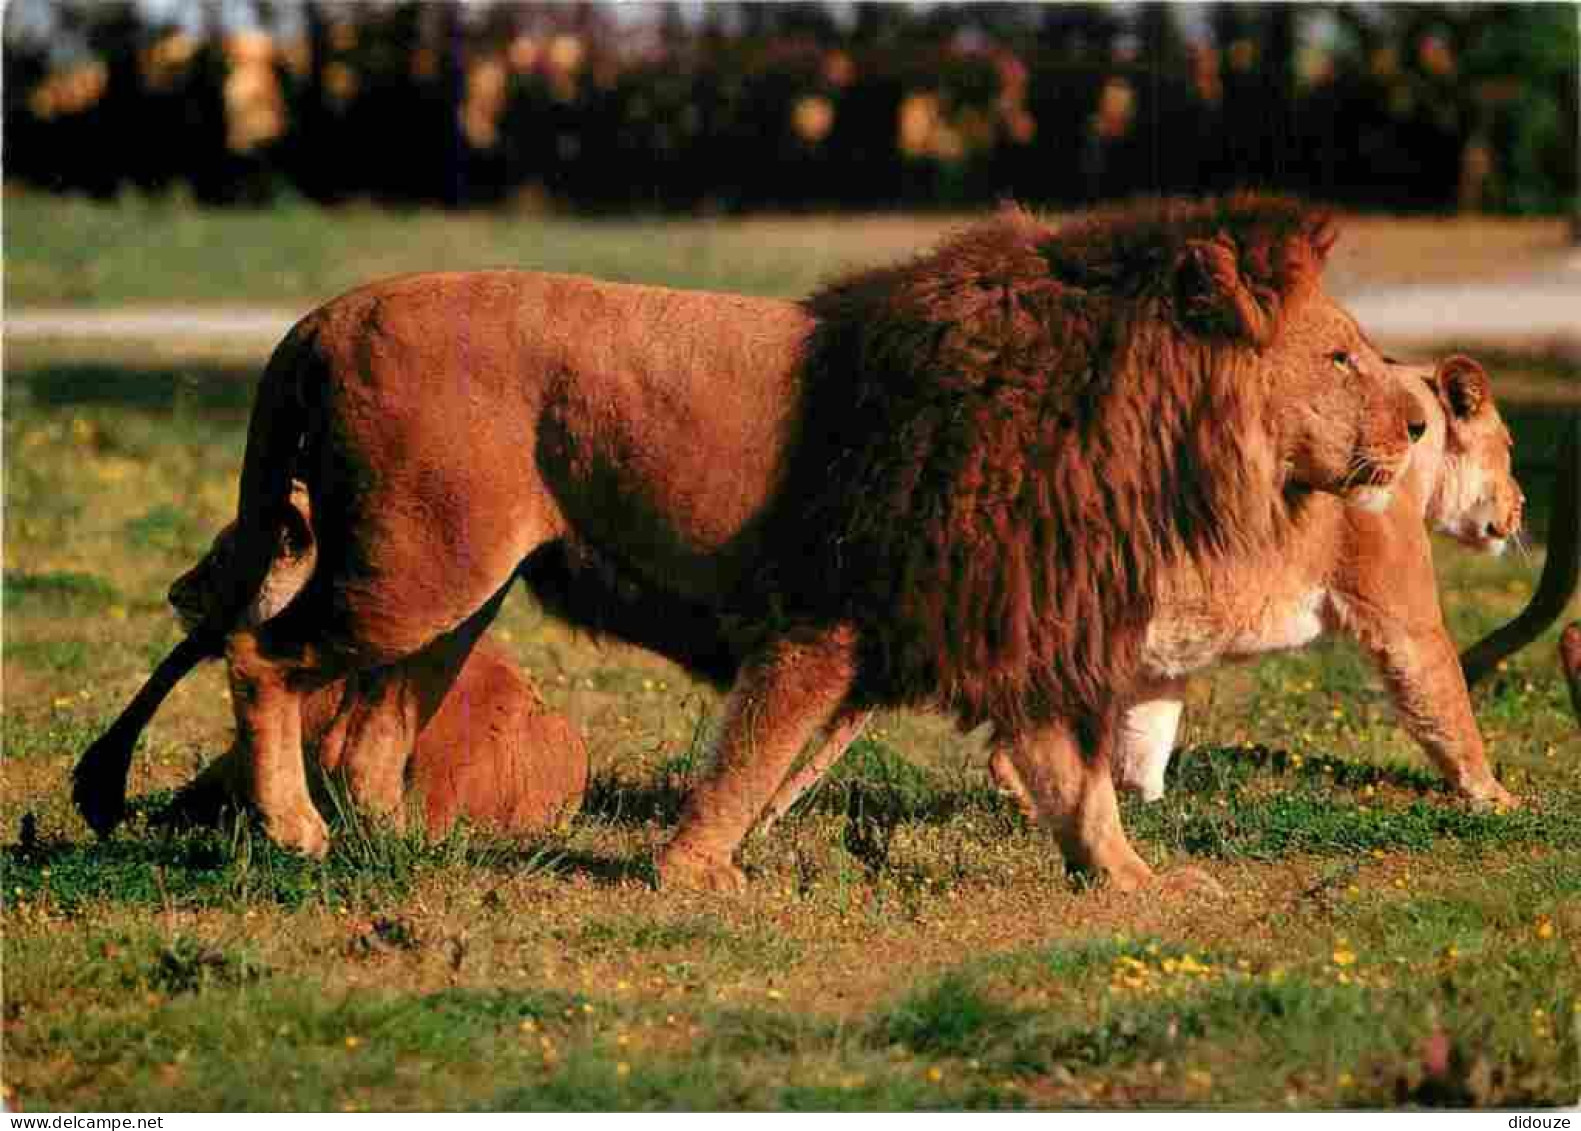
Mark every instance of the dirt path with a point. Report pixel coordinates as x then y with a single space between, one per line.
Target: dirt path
1543 309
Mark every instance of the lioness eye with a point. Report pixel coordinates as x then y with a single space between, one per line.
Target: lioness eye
1343 360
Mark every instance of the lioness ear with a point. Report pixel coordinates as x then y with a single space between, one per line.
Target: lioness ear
1214 298
1462 386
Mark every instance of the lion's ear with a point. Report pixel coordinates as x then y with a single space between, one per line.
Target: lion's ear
1214 298
1463 386
1323 236
296 532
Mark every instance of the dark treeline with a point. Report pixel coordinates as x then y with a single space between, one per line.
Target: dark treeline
743 106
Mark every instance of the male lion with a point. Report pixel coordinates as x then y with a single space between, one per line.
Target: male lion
491 752
957 482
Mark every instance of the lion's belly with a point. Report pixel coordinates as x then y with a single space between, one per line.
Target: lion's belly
1187 636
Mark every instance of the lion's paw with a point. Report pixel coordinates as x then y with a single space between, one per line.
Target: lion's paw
682 869
1127 873
299 830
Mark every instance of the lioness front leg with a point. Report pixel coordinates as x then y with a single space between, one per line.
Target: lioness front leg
1147 738
269 738
1422 671
782 697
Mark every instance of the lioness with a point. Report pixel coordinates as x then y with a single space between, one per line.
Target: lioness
491 752
1369 576
957 482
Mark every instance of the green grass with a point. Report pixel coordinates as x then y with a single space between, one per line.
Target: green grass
156 251
907 942
137 250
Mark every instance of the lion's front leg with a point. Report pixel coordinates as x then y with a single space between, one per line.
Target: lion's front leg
836 738
782 697
1073 797
1146 740
269 740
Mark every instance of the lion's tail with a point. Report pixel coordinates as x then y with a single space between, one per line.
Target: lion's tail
98 784
279 437
276 437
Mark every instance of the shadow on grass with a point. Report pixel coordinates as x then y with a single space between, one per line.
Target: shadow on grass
1221 769
1317 812
207 388
872 782
231 862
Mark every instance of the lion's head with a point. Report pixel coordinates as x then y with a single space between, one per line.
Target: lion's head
1006 442
1475 499
198 596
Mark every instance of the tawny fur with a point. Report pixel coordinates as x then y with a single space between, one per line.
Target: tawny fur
493 754
957 483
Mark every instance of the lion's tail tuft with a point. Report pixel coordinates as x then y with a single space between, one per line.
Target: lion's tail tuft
275 438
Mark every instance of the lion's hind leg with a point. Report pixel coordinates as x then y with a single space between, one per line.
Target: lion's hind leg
832 743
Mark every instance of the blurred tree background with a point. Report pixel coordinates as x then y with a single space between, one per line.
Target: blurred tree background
736 106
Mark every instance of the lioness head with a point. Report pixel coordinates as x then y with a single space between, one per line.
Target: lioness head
197 595
1342 422
1475 500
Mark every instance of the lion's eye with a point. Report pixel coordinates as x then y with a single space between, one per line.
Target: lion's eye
1343 361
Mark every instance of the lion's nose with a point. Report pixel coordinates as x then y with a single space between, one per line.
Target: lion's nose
1416 429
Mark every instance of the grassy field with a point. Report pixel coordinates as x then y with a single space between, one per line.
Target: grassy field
155 251
908 941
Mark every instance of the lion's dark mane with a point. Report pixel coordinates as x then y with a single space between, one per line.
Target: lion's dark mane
1006 440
